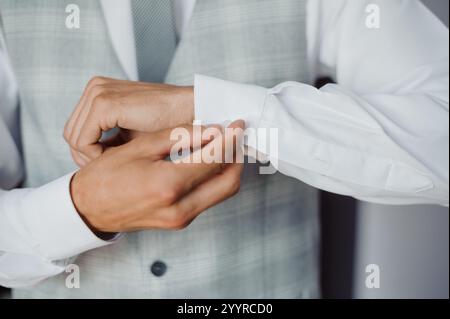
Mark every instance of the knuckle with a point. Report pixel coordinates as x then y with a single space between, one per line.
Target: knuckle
104 112
96 81
97 94
100 100
168 196
80 146
179 226
73 142
176 220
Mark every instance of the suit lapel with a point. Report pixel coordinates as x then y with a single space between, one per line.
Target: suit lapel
119 23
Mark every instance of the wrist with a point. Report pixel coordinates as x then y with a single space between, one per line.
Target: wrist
78 199
186 109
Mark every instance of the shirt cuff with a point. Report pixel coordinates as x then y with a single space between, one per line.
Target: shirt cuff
50 218
218 101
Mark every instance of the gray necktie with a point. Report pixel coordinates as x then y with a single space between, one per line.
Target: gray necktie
156 40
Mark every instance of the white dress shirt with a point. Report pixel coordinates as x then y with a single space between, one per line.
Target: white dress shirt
381 134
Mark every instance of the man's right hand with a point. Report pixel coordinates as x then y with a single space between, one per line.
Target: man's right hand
132 187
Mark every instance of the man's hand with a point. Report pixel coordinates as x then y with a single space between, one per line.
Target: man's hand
135 106
132 187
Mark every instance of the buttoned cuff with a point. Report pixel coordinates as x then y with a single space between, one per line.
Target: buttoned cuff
218 101
49 217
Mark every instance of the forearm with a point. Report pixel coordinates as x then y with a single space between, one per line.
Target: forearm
336 140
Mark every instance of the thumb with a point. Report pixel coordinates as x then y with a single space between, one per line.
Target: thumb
213 157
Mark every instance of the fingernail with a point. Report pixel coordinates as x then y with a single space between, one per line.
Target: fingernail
238 123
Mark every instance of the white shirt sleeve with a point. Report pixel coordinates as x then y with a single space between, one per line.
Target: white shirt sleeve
40 229
381 134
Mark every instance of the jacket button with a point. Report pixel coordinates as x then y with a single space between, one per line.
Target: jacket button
158 268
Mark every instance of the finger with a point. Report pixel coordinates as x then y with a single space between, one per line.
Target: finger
93 96
68 129
88 141
79 158
208 194
119 85
212 158
162 143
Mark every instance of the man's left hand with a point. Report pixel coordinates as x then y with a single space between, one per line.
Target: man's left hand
134 107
